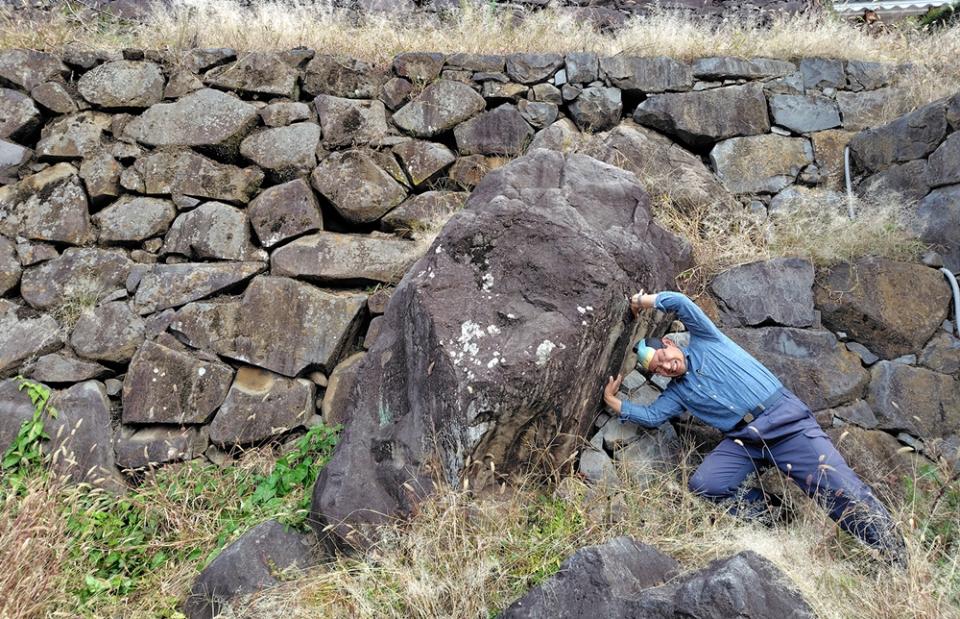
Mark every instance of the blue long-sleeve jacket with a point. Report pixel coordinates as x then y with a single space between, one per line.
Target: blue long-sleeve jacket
723 382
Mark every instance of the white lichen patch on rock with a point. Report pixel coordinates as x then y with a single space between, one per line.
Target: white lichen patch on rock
543 351
487 282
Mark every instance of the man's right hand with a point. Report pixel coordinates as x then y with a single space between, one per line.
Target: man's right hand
635 303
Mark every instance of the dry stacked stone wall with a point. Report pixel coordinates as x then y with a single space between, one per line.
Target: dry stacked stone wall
195 246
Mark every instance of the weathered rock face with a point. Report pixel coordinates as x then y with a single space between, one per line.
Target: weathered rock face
331 257
72 137
865 300
212 230
310 328
778 291
424 213
284 152
665 169
938 223
256 73
422 160
184 172
916 400
490 368
501 131
760 163
596 109
111 332
156 445
261 404
249 564
207 118
340 389
701 118
597 581
26 337
442 105
122 84
357 186
659 74
173 285
27 68
165 385
15 408
284 211
813 364
909 137
804 113
341 76
9 265
19 116
875 456
349 122
79 275
60 368
134 219
50 205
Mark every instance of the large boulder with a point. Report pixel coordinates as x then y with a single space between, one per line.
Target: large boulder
778 291
255 561
122 84
666 170
168 385
915 400
72 137
813 364
760 163
342 76
259 405
423 160
134 218
804 113
311 328
913 136
111 332
707 116
597 108
501 131
206 118
185 172
865 300
731 68
50 205
498 340
596 581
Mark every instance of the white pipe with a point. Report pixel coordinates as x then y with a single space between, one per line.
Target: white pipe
849 183
956 296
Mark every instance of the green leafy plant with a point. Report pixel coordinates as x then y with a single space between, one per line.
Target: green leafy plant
24 456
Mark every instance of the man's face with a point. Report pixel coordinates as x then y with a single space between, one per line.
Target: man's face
668 361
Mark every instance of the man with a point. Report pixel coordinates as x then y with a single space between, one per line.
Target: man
763 422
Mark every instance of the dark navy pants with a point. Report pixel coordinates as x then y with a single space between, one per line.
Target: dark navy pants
787 436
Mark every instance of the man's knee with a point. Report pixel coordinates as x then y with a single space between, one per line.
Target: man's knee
707 485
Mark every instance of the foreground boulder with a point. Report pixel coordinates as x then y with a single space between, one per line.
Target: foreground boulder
498 340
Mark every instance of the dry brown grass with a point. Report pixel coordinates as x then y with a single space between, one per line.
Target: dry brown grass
467 557
273 25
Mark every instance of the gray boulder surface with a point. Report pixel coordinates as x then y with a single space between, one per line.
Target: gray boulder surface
499 337
256 73
778 291
259 405
122 84
173 285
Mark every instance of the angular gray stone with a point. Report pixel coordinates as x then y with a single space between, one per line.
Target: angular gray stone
666 170
284 211
185 172
760 163
910 180
310 328
476 62
943 168
134 218
260 405
122 84
700 118
420 67
328 257
657 74
938 223
25 338
50 205
173 285
78 275
12 158
778 291
255 561
283 113
425 212
359 189
501 131
284 152
866 356
342 76
597 108
820 73
538 113
864 110
804 113
395 92
863 299
111 332
164 385
913 136
915 400
532 68
348 122
422 160
72 137
54 97
728 67
60 368
101 176
201 59
256 73
80 442
859 413
813 364
547 93
597 581
340 389
597 467
156 445
15 408
441 106
582 67
19 116
207 119
650 454
9 265
562 136
942 354
213 230
181 83
866 75
27 68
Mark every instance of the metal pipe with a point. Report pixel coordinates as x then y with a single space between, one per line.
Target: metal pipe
849 183
956 297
